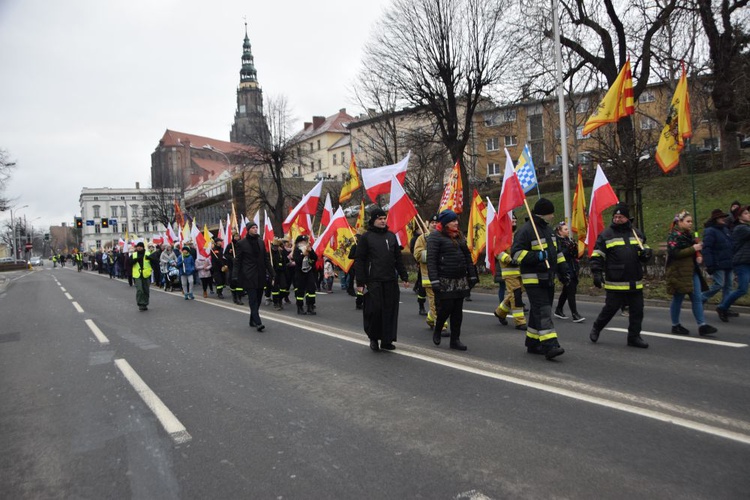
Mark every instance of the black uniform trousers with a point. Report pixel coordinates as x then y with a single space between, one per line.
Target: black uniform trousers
612 305
452 307
380 313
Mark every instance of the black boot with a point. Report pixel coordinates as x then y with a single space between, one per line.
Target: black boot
422 311
458 345
300 309
311 309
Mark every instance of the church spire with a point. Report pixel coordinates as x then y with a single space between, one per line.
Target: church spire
247 73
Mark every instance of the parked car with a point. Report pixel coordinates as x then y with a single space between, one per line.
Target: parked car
36 261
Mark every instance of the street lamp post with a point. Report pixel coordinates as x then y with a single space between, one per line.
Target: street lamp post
13 224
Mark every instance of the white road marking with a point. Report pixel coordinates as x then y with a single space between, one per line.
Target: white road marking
97 332
478 312
77 306
174 427
68 296
64 290
702 340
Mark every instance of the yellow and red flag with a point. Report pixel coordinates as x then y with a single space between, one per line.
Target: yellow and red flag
677 128
453 194
476 235
351 184
578 220
361 222
617 103
178 217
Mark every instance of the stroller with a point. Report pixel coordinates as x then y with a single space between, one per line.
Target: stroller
172 279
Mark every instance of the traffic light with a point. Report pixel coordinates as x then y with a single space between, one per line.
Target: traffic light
79 223
105 223
46 236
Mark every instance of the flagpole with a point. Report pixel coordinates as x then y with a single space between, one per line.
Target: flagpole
533 225
691 167
561 106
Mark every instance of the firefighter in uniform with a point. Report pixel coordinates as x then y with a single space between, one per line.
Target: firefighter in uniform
617 262
420 255
280 261
509 273
419 288
219 267
539 261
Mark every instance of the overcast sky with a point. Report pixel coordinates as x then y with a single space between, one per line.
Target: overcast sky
88 87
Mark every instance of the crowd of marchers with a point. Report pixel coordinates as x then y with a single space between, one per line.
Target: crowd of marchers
542 254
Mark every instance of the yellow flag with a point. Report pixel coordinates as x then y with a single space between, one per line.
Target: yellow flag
361 217
352 184
617 103
340 255
677 128
578 219
476 236
453 194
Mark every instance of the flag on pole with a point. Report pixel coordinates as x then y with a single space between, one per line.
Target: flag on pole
453 194
256 218
327 237
361 221
377 181
602 197
300 225
228 233
185 233
194 231
243 226
307 205
223 235
178 215
617 103
268 235
351 184
205 242
325 219
401 211
525 170
578 219
491 237
511 197
336 241
476 236
171 235
677 128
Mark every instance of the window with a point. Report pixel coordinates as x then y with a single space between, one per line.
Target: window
647 96
582 106
320 164
98 243
134 210
557 133
711 143
311 147
584 158
318 144
579 133
334 159
114 212
342 157
534 110
113 225
511 140
493 169
135 227
145 227
312 166
97 229
493 144
648 123
507 116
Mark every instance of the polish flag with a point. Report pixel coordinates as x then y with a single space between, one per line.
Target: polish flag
491 235
203 242
228 233
602 197
223 235
172 236
256 219
511 197
267 230
243 226
121 243
329 236
308 205
401 211
194 232
325 219
377 181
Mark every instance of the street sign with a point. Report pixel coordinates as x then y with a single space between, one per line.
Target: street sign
29 246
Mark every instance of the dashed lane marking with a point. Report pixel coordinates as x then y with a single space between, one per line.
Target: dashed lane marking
97 332
77 306
701 340
171 424
68 296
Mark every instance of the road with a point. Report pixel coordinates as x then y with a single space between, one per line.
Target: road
99 400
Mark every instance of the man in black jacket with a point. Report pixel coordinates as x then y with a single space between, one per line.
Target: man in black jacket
539 261
617 263
377 262
251 266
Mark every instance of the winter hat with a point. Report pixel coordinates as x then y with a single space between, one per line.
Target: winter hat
544 207
434 218
718 213
251 224
447 216
376 212
622 209
301 237
139 245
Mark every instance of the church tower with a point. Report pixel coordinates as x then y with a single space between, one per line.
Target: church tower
249 123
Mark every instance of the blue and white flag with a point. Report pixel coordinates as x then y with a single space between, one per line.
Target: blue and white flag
525 170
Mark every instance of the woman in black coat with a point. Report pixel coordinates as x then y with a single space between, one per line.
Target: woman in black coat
452 275
304 274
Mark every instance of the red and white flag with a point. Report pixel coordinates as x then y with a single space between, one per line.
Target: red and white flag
377 181
401 211
491 235
222 234
328 237
243 226
227 233
307 205
511 197
194 232
172 236
602 197
325 219
453 194
256 219
267 230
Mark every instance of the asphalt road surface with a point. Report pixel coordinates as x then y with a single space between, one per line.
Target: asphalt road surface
100 400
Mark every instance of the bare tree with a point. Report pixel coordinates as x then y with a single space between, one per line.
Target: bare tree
160 204
445 56
726 29
6 167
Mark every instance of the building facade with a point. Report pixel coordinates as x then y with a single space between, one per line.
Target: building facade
323 148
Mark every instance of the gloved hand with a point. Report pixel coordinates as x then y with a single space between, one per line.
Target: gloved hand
598 280
646 254
505 258
473 280
542 255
